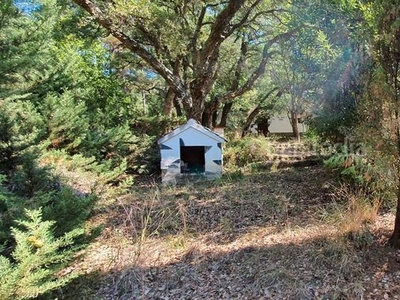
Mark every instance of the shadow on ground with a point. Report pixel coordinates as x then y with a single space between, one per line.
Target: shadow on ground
228 207
312 269
259 236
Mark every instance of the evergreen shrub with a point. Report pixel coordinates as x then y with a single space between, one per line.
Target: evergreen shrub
21 126
145 156
38 259
67 121
33 186
333 126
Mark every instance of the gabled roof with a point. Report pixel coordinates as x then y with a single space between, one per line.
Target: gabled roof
192 124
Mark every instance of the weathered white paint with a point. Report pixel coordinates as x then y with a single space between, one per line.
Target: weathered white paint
190 134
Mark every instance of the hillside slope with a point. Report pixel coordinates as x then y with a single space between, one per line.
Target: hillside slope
262 235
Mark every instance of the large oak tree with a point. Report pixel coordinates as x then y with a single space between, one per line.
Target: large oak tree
181 41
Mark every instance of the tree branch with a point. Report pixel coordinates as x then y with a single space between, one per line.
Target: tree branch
109 24
244 18
261 67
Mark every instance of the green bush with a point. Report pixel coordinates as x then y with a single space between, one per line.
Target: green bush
32 186
362 173
351 166
248 150
68 209
337 118
37 260
145 156
6 142
65 207
29 178
108 143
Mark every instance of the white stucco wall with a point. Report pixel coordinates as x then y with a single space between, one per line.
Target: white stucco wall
281 124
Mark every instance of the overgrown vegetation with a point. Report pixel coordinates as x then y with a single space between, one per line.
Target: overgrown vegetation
361 172
82 104
248 150
216 234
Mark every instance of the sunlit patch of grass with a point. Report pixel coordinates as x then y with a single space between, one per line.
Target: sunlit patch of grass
258 232
352 213
178 242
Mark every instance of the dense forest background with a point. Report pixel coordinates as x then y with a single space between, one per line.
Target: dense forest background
94 84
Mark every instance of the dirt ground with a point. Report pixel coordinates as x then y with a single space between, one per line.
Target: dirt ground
265 234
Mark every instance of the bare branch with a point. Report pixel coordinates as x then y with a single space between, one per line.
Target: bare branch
193 42
244 18
267 54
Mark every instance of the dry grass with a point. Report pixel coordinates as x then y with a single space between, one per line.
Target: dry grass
352 212
260 235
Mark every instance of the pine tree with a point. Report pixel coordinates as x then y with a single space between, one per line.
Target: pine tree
67 121
37 260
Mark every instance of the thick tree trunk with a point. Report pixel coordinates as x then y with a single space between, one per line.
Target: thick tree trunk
394 240
215 118
169 102
294 120
195 112
171 99
206 119
225 112
208 113
178 107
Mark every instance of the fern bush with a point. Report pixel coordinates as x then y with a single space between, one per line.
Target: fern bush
362 172
37 260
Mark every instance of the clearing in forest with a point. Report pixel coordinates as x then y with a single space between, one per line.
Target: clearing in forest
268 234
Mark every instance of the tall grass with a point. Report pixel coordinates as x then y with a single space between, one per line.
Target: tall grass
352 212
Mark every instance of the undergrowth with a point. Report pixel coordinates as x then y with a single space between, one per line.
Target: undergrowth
241 152
352 212
287 222
363 173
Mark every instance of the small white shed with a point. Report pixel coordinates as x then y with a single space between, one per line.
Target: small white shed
190 149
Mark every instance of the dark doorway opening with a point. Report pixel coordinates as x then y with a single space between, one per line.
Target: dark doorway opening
192 159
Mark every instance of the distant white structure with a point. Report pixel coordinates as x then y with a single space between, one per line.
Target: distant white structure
280 124
190 149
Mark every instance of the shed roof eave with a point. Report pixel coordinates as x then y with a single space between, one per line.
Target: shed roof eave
196 126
